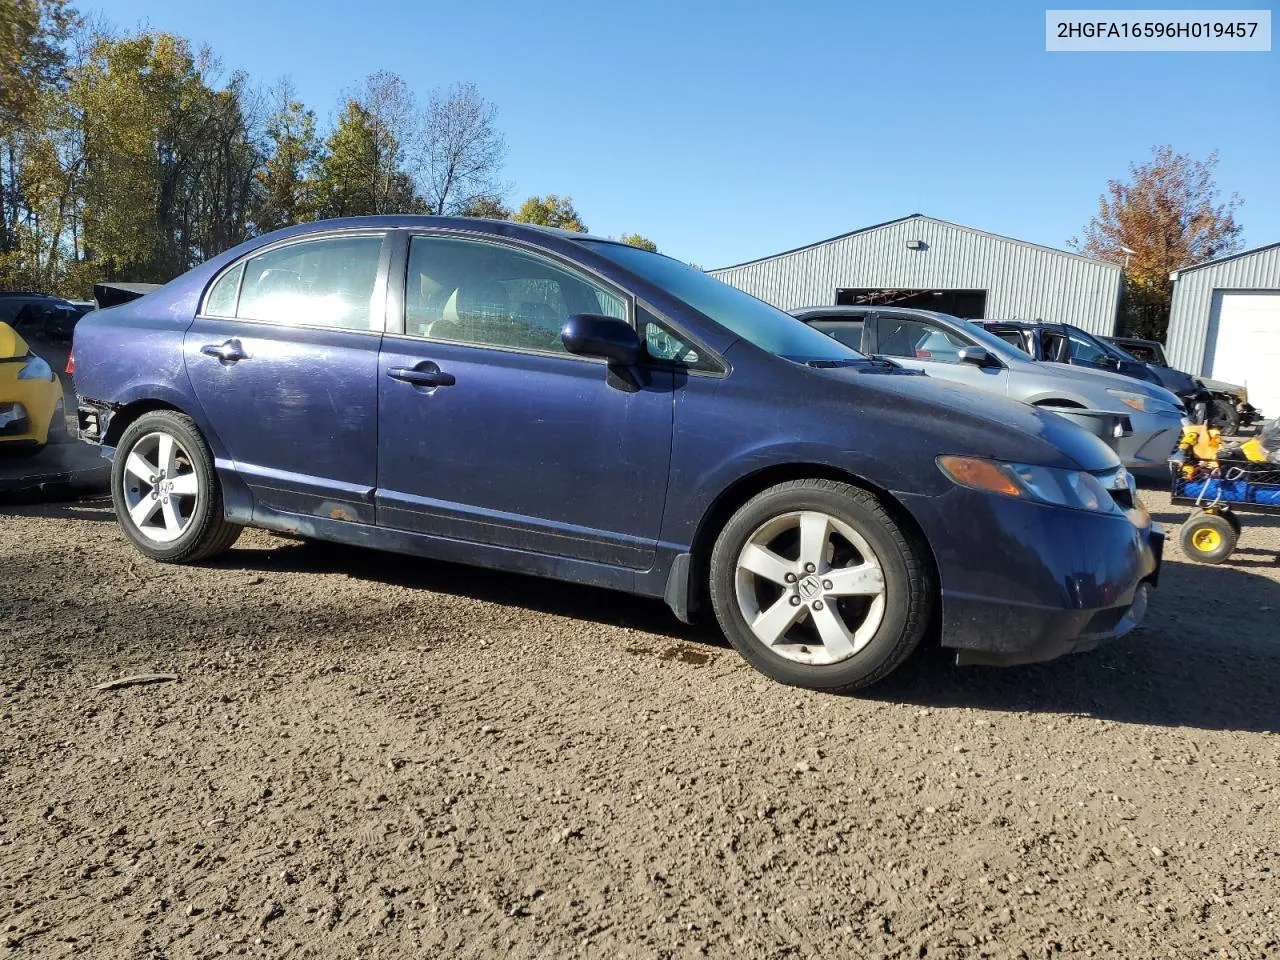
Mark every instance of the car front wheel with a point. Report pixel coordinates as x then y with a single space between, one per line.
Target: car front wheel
166 492
818 586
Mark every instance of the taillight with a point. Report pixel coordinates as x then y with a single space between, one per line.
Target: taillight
71 362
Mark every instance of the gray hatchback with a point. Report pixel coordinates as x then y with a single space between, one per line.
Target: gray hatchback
953 349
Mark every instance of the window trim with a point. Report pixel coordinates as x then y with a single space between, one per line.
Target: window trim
378 298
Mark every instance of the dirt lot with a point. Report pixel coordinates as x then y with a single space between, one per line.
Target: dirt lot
369 755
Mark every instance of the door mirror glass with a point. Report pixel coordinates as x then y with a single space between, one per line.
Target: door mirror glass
595 335
978 356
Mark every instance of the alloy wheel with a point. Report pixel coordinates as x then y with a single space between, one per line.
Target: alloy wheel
810 587
160 486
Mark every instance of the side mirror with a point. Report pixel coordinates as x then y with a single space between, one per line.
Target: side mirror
978 356
593 335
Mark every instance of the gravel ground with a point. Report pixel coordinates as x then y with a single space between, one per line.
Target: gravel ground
369 755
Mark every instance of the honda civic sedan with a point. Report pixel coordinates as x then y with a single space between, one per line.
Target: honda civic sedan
555 404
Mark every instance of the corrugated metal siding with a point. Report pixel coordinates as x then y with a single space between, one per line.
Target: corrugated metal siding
1190 314
1021 280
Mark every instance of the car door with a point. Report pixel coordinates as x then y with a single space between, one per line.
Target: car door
920 343
492 433
283 357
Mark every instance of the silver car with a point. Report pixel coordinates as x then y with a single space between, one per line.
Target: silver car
949 348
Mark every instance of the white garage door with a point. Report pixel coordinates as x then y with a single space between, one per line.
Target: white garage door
1247 348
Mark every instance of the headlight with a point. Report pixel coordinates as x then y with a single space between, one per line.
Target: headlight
35 369
1138 401
1060 488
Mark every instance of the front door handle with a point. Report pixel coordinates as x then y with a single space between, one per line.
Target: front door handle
425 374
228 352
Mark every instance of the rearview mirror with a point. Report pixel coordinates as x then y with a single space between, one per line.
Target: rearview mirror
978 356
593 335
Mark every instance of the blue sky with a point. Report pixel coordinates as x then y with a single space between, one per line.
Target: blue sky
726 131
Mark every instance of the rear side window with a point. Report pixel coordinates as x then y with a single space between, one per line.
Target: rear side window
1143 353
848 332
327 282
221 301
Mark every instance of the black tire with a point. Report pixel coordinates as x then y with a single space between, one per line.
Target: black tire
58 432
1208 537
208 532
910 592
1224 416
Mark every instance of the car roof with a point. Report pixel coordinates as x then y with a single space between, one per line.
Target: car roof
423 221
841 310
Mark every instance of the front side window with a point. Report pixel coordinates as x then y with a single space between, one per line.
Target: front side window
327 282
1011 337
915 339
490 294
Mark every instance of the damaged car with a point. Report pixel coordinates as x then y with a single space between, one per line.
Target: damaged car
525 399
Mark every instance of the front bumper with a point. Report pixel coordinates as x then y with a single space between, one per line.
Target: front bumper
1022 582
1154 437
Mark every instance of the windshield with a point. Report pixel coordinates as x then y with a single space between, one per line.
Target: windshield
1110 349
753 320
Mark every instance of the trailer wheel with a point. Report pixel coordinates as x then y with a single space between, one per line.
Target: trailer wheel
1208 537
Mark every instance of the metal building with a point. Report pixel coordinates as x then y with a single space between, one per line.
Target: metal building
920 261
1225 323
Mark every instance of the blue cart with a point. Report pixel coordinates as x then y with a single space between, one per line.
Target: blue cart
1219 490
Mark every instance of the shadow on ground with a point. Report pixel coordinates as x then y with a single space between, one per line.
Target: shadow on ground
1208 655
509 589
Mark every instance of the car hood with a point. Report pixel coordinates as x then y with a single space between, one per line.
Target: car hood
1221 386
11 343
972 422
1107 380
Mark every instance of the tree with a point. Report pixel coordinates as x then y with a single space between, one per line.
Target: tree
635 240
32 66
353 180
551 211
390 112
1169 216
165 160
490 207
460 150
287 178
31 53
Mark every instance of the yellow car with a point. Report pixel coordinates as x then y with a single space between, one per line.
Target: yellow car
31 406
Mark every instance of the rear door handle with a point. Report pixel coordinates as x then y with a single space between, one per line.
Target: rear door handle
423 375
228 352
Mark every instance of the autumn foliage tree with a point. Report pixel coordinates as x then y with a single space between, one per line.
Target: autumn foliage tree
1168 214
551 211
636 240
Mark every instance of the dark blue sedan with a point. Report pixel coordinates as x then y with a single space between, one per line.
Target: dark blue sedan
561 405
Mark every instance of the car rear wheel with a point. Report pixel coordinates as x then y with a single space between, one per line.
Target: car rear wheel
817 586
58 432
166 492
